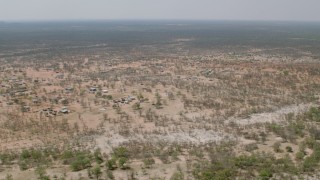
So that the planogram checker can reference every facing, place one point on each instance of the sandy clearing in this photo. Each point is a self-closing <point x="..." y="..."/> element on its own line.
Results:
<point x="197" y="136"/>
<point x="276" y="116"/>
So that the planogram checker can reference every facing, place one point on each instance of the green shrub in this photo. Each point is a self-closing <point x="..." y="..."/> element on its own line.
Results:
<point x="122" y="162"/>
<point x="314" y="114"/>
<point x="67" y="154"/>
<point x="110" y="175"/>
<point x="121" y="152"/>
<point x="23" y="165"/>
<point x="148" y="162"/>
<point x="265" y="174"/>
<point x="207" y="170"/>
<point x="315" y="133"/>
<point x="97" y="156"/>
<point x="111" y="164"/>
<point x="177" y="176"/>
<point x="80" y="162"/>
<point x="109" y="97"/>
<point x="289" y="149"/>
<point x="42" y="174"/>
<point x="245" y="161"/>
<point x="25" y="154"/>
<point x="285" y="164"/>
<point x="311" y="163"/>
<point x="310" y="142"/>
<point x="297" y="128"/>
<point x="32" y="158"/>
<point x="300" y="155"/>
<point x="7" y="158"/>
<point x="251" y="147"/>
<point x="96" y="171"/>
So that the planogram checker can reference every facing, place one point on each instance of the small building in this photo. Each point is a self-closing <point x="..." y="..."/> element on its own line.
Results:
<point x="36" y="100"/>
<point x="93" y="89"/>
<point x="68" y="89"/>
<point x="64" y="110"/>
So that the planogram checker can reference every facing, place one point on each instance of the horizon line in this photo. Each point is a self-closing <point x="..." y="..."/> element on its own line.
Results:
<point x="141" y="20"/>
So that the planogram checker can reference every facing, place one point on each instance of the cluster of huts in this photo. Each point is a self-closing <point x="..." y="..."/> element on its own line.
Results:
<point x="124" y="100"/>
<point x="51" y="112"/>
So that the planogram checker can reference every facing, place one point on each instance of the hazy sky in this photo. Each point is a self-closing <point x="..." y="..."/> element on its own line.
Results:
<point x="297" y="10"/>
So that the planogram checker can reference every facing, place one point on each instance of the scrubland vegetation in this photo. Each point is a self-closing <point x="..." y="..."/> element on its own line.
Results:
<point x="171" y="104"/>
